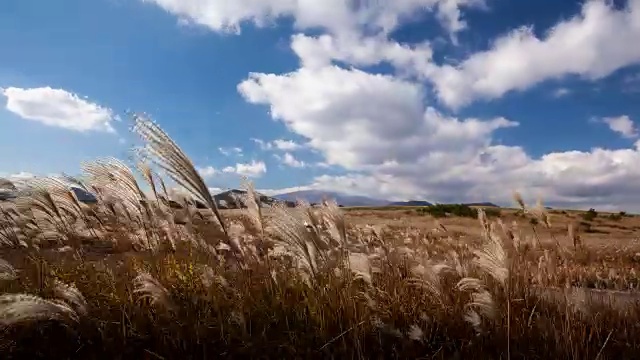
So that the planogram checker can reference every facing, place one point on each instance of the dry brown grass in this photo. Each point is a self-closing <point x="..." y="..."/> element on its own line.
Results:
<point x="123" y="279"/>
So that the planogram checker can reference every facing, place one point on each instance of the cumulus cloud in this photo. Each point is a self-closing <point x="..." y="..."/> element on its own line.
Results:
<point x="253" y="169"/>
<point x="602" y="178"/>
<point x="59" y="108"/>
<point x="359" y="120"/>
<point x="393" y="146"/>
<point x="207" y="171"/>
<point x="288" y="145"/>
<point x="391" y="141"/>
<point x="289" y="160"/>
<point x="278" y="144"/>
<point x="322" y="50"/>
<point x="335" y="16"/>
<point x="592" y="44"/>
<point x="622" y="125"/>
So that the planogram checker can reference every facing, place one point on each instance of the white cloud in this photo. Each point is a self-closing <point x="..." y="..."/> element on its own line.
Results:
<point x="320" y="51"/>
<point x="288" y="145"/>
<point x="278" y="144"/>
<point x="560" y="92"/>
<point x="17" y="178"/>
<point x="290" y="160"/>
<point x="592" y="45"/>
<point x="207" y="171"/>
<point x="60" y="108"/>
<point x="230" y="151"/>
<point x="22" y="175"/>
<point x="335" y="16"/>
<point x="378" y="128"/>
<point x="264" y="145"/>
<point x="601" y="178"/>
<point x="622" y="125"/>
<point x="272" y="192"/>
<point x="393" y="145"/>
<point x="359" y="120"/>
<point x="215" y="190"/>
<point x="252" y="169"/>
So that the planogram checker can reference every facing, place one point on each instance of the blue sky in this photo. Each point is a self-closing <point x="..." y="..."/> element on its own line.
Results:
<point x="449" y="100"/>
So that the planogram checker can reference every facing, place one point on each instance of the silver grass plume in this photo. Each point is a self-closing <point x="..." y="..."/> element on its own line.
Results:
<point x="7" y="184"/>
<point x="334" y="220"/>
<point x="49" y="202"/>
<point x="428" y="278"/>
<point x="150" y="288"/>
<point x="18" y="308"/>
<point x="7" y="271"/>
<point x="71" y="295"/>
<point x="291" y="234"/>
<point x="113" y="177"/>
<point x="251" y="200"/>
<point x="492" y="258"/>
<point x="165" y="153"/>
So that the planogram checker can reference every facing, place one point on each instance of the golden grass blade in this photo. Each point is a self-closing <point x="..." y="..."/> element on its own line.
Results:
<point x="168" y="156"/>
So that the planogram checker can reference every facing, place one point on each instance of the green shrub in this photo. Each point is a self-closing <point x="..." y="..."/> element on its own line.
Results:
<point x="615" y="217"/>
<point x="461" y="210"/>
<point x="492" y="212"/>
<point x="590" y="215"/>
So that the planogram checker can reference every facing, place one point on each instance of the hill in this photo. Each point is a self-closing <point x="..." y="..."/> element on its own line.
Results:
<point x="483" y="204"/>
<point x="410" y="203"/>
<point x="316" y="196"/>
<point x="231" y="199"/>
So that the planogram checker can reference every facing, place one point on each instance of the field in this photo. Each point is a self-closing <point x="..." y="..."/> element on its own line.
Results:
<point x="131" y="277"/>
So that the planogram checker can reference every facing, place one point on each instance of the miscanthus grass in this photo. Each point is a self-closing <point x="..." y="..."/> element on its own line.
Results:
<point x="167" y="274"/>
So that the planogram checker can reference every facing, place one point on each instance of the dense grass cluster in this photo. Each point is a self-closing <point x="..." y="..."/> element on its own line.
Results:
<point x="131" y="277"/>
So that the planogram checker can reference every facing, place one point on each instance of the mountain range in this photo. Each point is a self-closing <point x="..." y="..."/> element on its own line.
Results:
<point x="229" y="198"/>
<point x="316" y="196"/>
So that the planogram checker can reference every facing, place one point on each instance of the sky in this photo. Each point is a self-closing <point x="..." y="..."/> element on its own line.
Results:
<point x="443" y="100"/>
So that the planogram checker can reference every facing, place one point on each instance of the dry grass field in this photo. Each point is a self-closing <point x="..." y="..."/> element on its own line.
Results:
<point x="130" y="277"/>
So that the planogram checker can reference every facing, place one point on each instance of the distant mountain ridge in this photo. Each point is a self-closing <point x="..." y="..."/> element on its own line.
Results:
<point x="316" y="196"/>
<point x="483" y="204"/>
<point x="410" y="203"/>
<point x="233" y="199"/>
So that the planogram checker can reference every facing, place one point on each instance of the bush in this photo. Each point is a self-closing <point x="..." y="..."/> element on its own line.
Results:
<point x="616" y="217"/>
<point x="442" y="210"/>
<point x="492" y="212"/>
<point x="461" y="210"/>
<point x="590" y="215"/>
